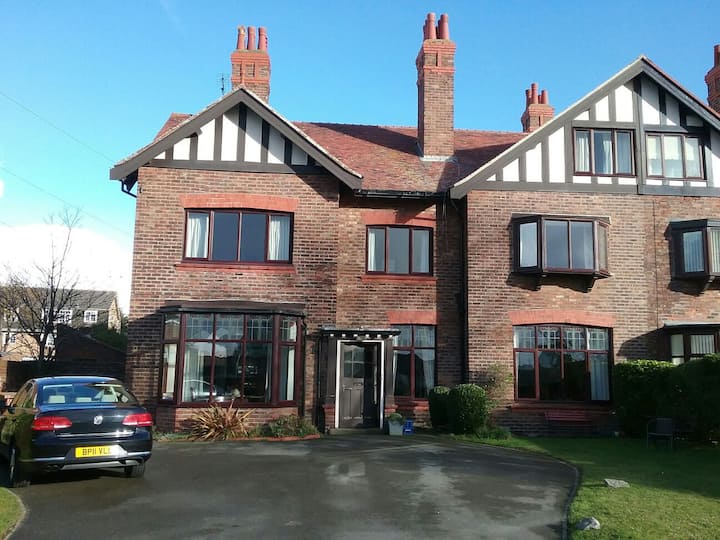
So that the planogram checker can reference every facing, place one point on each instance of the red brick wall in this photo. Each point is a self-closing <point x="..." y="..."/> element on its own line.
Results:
<point x="373" y="301"/>
<point x="158" y="275"/>
<point x="639" y="296"/>
<point x="170" y="419"/>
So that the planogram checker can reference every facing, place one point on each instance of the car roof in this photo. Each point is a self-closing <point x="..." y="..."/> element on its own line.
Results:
<point x="42" y="381"/>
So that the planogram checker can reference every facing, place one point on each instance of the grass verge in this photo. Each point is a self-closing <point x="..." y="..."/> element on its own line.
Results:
<point x="10" y="512"/>
<point x="672" y="494"/>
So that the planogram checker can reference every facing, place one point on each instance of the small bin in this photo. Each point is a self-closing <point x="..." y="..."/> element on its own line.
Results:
<point x="408" y="427"/>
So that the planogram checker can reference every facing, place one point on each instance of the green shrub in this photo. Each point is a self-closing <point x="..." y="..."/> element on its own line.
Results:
<point x="219" y="424"/>
<point x="493" y="432"/>
<point x="696" y="386"/>
<point x="438" y="403"/>
<point x="288" y="426"/>
<point x="467" y="408"/>
<point x="642" y="389"/>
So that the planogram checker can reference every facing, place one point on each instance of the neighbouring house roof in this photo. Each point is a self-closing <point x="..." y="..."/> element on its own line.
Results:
<point x="388" y="156"/>
<point x="641" y="66"/>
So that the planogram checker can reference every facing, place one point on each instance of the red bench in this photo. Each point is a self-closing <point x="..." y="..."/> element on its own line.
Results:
<point x="568" y="417"/>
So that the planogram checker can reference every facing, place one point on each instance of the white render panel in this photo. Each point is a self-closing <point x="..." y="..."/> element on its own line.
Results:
<point x="693" y="120"/>
<point x="556" y="153"/>
<point x="604" y="180"/>
<point x="533" y="164"/>
<point x="228" y="146"/>
<point x="581" y="180"/>
<point x="715" y="158"/>
<point x="624" y="111"/>
<point x="161" y="155"/>
<point x="491" y="179"/>
<point x="299" y="157"/>
<point x="583" y="116"/>
<point x="181" y="150"/>
<point x="206" y="141"/>
<point x="602" y="110"/>
<point x="276" y="146"/>
<point x="697" y="183"/>
<point x="653" y="182"/>
<point x="627" y="181"/>
<point x="511" y="172"/>
<point x="253" y="137"/>
<point x="672" y="111"/>
<point x="676" y="183"/>
<point x="650" y="103"/>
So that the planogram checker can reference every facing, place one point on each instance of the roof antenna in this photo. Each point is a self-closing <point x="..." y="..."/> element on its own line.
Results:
<point x="222" y="81"/>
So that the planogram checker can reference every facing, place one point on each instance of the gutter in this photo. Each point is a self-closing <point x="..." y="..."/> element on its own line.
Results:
<point x="392" y="194"/>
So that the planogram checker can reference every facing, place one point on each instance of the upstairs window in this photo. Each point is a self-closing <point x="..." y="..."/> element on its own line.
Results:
<point x="90" y="316"/>
<point x="399" y="250"/>
<point x="696" y="248"/>
<point x="674" y="156"/>
<point x="232" y="236"/>
<point x="604" y="152"/>
<point x="547" y="244"/>
<point x="64" y="316"/>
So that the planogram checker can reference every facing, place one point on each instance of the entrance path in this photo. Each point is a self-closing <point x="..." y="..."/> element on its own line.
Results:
<point x="347" y="486"/>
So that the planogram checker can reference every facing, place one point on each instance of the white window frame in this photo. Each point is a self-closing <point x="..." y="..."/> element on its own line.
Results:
<point x="64" y="316"/>
<point x="90" y="316"/>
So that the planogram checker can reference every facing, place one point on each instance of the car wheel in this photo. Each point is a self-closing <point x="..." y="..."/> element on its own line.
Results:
<point x="135" y="471"/>
<point x="17" y="476"/>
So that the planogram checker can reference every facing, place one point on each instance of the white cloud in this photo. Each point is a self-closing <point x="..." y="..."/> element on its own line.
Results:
<point x="99" y="262"/>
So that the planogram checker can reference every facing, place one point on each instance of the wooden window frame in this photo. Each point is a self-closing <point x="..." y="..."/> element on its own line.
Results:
<point x="412" y="230"/>
<point x="591" y="148"/>
<point x="677" y="231"/>
<point x="683" y="137"/>
<point x="411" y="349"/>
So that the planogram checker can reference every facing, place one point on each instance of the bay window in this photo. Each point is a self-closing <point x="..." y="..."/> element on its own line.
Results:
<point x="399" y="250"/>
<point x="696" y="248"/>
<point x="562" y="363"/>
<point x="548" y="244"/>
<point x="234" y="235"/>
<point x="216" y="357"/>
<point x="692" y="343"/>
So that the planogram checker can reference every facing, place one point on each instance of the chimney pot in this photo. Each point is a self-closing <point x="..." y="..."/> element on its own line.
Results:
<point x="251" y="62"/>
<point x="537" y="109"/>
<point x="251" y="38"/>
<point x="430" y="28"/>
<point x="241" y="38"/>
<point x="444" y="27"/>
<point x="262" y="39"/>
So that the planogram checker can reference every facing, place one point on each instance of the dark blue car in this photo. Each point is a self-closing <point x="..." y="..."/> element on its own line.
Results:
<point x="62" y="423"/>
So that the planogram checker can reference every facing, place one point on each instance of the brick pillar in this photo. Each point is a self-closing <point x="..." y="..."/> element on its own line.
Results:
<point x="251" y="62"/>
<point x="537" y="109"/>
<point x="436" y="90"/>
<point x="713" y="82"/>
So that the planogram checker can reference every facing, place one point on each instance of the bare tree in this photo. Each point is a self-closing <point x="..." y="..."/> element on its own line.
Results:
<point x="32" y="299"/>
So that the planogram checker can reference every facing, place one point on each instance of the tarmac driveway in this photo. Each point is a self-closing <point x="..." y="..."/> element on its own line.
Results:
<point x="356" y="486"/>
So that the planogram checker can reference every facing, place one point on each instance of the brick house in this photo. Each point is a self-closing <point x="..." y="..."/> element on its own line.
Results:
<point x="341" y="271"/>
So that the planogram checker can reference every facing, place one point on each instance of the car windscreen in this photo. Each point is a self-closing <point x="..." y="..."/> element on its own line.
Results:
<point x="85" y="392"/>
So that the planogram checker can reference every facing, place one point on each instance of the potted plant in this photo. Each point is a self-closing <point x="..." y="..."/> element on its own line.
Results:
<point x="395" y="422"/>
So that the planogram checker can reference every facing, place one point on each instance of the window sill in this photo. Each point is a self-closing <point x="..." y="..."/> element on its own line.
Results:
<point x="263" y="268"/>
<point x="398" y="278"/>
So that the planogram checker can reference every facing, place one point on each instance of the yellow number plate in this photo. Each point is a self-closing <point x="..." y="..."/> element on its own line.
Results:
<point x="94" y="451"/>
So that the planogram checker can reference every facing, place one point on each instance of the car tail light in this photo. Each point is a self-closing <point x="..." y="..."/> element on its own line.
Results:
<point x="50" y="423"/>
<point x="140" y="419"/>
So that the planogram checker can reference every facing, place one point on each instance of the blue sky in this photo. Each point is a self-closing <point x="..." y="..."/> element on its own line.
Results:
<point x="85" y="83"/>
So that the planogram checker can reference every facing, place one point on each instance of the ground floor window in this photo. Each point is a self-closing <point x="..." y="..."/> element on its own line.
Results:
<point x="562" y="363"/>
<point x="692" y="344"/>
<point x="414" y="360"/>
<point x="216" y="357"/>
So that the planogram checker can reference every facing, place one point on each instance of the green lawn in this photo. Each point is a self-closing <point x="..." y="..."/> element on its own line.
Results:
<point x="671" y="495"/>
<point x="10" y="511"/>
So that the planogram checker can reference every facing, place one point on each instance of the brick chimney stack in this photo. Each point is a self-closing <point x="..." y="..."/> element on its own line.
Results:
<point x="537" y="109"/>
<point x="713" y="82"/>
<point x="251" y="62"/>
<point x="436" y="90"/>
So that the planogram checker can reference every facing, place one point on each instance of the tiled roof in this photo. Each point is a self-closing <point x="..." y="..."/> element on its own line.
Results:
<point x="387" y="157"/>
<point x="171" y="123"/>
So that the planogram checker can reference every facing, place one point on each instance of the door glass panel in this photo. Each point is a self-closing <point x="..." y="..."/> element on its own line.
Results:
<point x="550" y="375"/>
<point x="525" y="366"/>
<point x="556" y="242"/>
